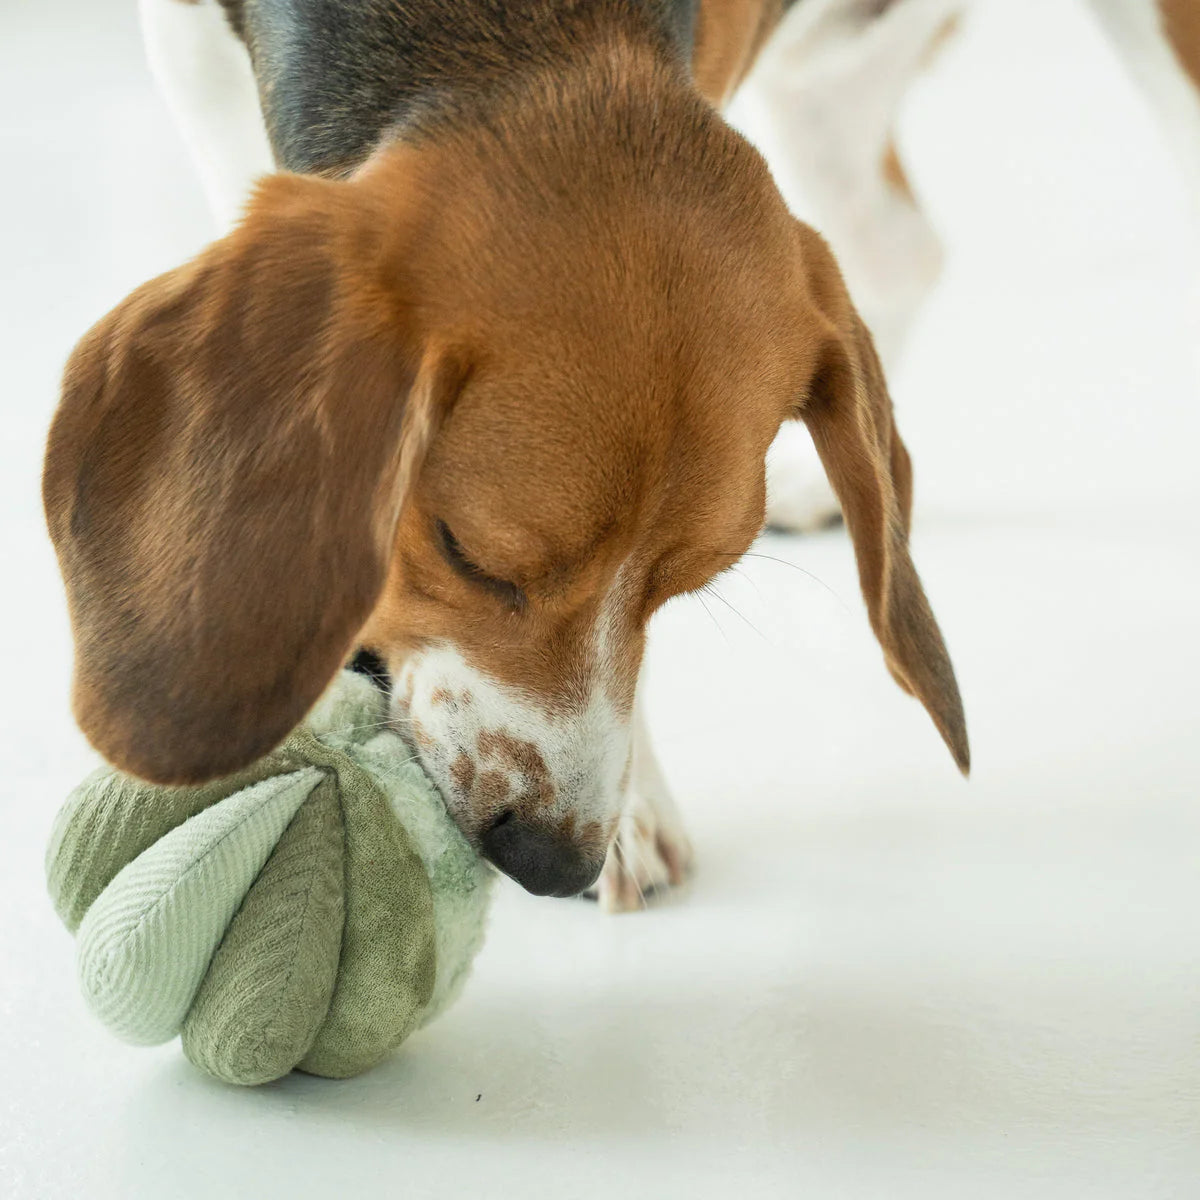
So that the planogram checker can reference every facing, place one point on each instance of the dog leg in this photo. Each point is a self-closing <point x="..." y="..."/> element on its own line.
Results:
<point x="1160" y="45"/>
<point x="822" y="104"/>
<point x="800" y="498"/>
<point x="651" y="850"/>
<point x="203" y="71"/>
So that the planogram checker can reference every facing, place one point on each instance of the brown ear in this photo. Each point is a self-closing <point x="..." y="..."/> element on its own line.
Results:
<point x="849" y="413"/>
<point x="223" y="480"/>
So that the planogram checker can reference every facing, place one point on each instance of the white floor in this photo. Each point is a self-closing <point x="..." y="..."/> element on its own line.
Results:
<point x="883" y="982"/>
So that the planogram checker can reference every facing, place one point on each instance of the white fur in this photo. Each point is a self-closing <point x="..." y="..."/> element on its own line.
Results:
<point x="1136" y="29"/>
<point x="799" y="496"/>
<point x="585" y="751"/>
<point x="822" y="103"/>
<point x="204" y="74"/>
<point x="651" y="850"/>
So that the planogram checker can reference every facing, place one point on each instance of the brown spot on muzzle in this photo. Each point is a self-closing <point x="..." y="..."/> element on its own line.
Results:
<point x="525" y="759"/>
<point x="462" y="771"/>
<point x="491" y="790"/>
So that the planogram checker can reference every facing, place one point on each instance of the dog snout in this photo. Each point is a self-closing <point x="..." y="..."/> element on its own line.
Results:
<point x="541" y="861"/>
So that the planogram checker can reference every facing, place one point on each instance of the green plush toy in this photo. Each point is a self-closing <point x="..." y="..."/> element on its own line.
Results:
<point x="309" y="912"/>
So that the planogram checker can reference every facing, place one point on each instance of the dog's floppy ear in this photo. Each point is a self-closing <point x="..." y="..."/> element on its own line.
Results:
<point x="224" y="476"/>
<point x="849" y="413"/>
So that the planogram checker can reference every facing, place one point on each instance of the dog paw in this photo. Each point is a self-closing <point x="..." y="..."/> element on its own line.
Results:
<point x="650" y="853"/>
<point x="799" y="498"/>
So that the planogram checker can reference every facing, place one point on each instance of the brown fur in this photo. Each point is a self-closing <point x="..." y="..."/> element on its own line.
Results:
<point x="849" y="415"/>
<point x="549" y="334"/>
<point x="1181" y="22"/>
<point x="187" y="485"/>
<point x="729" y="35"/>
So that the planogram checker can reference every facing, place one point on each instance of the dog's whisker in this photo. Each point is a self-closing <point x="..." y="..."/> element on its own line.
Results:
<point x="648" y="872"/>
<point x="740" y="615"/>
<point x="737" y="570"/>
<point x="385" y="724"/>
<point x="634" y="851"/>
<point x="712" y="618"/>
<point x="797" y="567"/>
<point x="398" y="723"/>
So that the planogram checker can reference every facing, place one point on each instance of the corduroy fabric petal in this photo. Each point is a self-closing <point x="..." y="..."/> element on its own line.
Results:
<point x="111" y="818"/>
<point x="148" y="939"/>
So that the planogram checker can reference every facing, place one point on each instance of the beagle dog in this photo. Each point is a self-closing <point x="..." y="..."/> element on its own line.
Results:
<point x="482" y="376"/>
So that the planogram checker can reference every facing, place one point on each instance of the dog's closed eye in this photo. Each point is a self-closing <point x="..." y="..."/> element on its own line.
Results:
<point x="504" y="590"/>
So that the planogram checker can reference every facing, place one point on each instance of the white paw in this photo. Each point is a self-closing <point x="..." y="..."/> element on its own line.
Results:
<point x="799" y="498"/>
<point x="651" y="852"/>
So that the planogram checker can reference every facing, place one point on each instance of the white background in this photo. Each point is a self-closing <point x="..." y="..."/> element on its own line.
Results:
<point x="883" y="982"/>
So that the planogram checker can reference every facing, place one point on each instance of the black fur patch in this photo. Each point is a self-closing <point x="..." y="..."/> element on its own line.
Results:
<point x="335" y="75"/>
<point x="368" y="663"/>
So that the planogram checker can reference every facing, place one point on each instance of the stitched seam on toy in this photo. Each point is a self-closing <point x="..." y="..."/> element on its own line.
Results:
<point x="106" y="966"/>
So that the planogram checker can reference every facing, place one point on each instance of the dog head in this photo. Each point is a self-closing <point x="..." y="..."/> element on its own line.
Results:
<point x="483" y="407"/>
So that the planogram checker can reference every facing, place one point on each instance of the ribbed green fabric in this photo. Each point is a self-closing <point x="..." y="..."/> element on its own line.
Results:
<point x="111" y="818"/>
<point x="146" y="943"/>
<point x="268" y="988"/>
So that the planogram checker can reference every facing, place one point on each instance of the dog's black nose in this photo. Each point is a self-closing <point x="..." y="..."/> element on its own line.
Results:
<point x="541" y="862"/>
